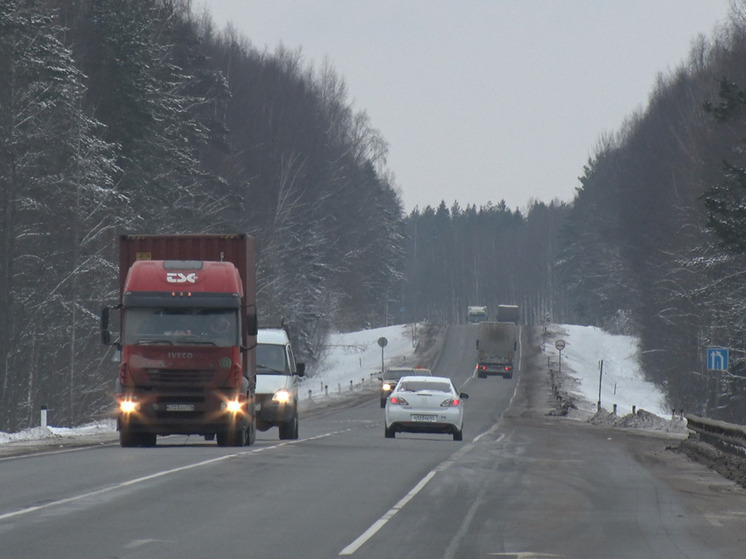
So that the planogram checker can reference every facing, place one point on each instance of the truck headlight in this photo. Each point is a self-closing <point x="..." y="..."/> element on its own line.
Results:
<point x="128" y="406"/>
<point x="233" y="406"/>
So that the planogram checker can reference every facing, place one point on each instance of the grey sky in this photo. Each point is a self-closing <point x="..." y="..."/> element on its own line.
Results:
<point x="484" y="100"/>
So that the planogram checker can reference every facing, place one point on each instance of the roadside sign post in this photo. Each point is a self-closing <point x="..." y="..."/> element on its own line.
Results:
<point x="560" y="345"/>
<point x="600" y="378"/>
<point x="382" y="342"/>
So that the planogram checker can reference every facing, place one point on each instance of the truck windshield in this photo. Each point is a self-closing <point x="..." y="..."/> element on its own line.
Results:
<point x="180" y="326"/>
<point x="270" y="359"/>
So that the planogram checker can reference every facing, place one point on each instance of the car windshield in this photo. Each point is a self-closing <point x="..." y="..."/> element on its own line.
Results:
<point x="396" y="374"/>
<point x="420" y="386"/>
<point x="393" y="374"/>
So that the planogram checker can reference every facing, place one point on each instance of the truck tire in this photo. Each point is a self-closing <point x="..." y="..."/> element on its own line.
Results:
<point x="233" y="436"/>
<point x="251" y="433"/>
<point x="127" y="438"/>
<point x="289" y="429"/>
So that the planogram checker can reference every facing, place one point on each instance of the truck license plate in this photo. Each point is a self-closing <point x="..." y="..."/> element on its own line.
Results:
<point x="425" y="418"/>
<point x="179" y="407"/>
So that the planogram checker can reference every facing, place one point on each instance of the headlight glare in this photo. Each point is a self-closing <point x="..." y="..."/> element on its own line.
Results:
<point x="281" y="396"/>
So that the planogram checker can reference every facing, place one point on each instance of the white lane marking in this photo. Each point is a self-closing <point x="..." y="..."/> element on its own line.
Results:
<point x="136" y="481"/>
<point x="381" y="522"/>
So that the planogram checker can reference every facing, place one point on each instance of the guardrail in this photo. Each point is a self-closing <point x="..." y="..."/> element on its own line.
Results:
<point x="726" y="436"/>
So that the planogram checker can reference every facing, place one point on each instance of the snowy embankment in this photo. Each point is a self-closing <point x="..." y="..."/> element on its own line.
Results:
<point x="352" y="362"/>
<point x="596" y="366"/>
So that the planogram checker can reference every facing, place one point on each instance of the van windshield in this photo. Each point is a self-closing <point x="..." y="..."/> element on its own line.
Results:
<point x="270" y="359"/>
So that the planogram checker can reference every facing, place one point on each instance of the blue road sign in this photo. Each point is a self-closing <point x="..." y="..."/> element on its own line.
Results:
<point x="717" y="359"/>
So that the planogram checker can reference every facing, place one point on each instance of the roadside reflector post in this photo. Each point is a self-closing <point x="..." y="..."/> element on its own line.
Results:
<point x="44" y="418"/>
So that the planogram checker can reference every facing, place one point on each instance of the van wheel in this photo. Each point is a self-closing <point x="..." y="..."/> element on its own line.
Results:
<point x="289" y="429"/>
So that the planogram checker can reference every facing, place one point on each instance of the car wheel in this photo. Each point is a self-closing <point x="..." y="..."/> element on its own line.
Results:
<point x="458" y="436"/>
<point x="389" y="433"/>
<point x="289" y="429"/>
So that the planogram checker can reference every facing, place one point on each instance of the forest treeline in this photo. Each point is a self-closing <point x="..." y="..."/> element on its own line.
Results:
<point x="142" y="117"/>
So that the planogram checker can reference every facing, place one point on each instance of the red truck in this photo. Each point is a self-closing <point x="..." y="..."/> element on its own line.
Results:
<point x="187" y="338"/>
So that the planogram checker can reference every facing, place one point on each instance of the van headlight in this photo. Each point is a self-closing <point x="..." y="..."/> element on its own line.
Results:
<point x="281" y="396"/>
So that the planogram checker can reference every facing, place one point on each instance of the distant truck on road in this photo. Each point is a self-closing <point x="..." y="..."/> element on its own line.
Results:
<point x="187" y="328"/>
<point x="496" y="347"/>
<point x="508" y="313"/>
<point x="476" y="314"/>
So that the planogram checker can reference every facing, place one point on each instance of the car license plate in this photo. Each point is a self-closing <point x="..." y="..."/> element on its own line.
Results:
<point x="179" y="407"/>
<point x="424" y="418"/>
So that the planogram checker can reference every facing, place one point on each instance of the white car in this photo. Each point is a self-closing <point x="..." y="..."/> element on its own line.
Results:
<point x="425" y="405"/>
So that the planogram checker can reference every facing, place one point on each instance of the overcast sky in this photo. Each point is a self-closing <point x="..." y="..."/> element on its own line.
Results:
<point x="486" y="100"/>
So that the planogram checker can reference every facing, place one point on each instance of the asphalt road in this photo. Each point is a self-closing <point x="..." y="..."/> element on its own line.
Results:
<point x="521" y="484"/>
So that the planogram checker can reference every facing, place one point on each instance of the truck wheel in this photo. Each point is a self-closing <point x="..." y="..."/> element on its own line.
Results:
<point x="251" y="433"/>
<point x="148" y="439"/>
<point x="127" y="438"/>
<point x="233" y="436"/>
<point x="289" y="429"/>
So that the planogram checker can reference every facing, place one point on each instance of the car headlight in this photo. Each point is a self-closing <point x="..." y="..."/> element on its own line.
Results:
<point x="387" y="386"/>
<point x="281" y="396"/>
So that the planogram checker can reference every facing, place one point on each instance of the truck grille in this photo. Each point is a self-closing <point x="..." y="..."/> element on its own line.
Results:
<point x="176" y="376"/>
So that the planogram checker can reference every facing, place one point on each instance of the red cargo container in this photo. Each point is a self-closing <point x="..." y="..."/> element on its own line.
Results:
<point x="187" y="338"/>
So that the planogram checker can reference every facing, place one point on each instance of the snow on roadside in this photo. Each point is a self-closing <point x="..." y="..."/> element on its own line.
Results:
<point x="352" y="361"/>
<point x="622" y="380"/>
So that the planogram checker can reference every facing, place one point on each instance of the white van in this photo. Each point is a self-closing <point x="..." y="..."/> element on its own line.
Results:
<point x="277" y="374"/>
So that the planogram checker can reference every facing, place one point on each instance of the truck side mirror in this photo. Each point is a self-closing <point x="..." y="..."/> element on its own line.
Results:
<point x="300" y="369"/>
<point x="105" y="334"/>
<point x="252" y="325"/>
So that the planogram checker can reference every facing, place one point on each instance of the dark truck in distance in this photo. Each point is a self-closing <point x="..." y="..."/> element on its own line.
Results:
<point x="476" y="314"/>
<point x="496" y="347"/>
<point x="508" y="313"/>
<point x="187" y="338"/>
